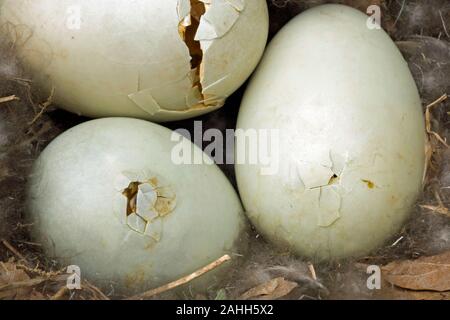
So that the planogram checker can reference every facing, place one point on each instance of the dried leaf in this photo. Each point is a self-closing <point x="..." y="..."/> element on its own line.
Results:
<point x="427" y="273"/>
<point x="274" y="289"/>
<point x="427" y="295"/>
<point x="388" y="291"/>
<point x="10" y="274"/>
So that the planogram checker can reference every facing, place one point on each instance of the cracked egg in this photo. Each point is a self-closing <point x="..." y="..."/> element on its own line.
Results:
<point x="352" y="138"/>
<point x="106" y="196"/>
<point x="156" y="60"/>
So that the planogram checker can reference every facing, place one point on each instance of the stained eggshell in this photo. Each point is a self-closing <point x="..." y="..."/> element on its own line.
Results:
<point x="158" y="60"/>
<point x="351" y="147"/>
<point x="107" y="197"/>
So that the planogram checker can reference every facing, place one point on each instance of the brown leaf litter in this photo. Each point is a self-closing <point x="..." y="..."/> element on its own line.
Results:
<point x="424" y="274"/>
<point x="271" y="290"/>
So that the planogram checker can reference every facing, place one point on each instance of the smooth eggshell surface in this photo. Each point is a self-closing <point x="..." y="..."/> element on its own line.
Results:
<point x="352" y="139"/>
<point x="130" y="58"/>
<point x="187" y="215"/>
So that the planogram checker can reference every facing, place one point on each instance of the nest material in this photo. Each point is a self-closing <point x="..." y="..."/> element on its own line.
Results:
<point x="421" y="29"/>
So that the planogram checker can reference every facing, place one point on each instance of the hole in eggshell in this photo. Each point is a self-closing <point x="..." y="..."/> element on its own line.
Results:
<point x="146" y="202"/>
<point x="335" y="179"/>
<point x="187" y="33"/>
<point x="131" y="194"/>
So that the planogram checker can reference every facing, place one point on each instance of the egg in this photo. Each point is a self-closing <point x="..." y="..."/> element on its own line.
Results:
<point x="108" y="197"/>
<point x="156" y="60"/>
<point x="350" y="155"/>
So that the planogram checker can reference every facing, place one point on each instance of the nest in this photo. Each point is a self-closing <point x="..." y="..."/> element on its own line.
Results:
<point x="28" y="122"/>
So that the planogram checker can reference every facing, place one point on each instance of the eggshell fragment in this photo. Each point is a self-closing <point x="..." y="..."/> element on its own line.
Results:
<point x="106" y="196"/>
<point x="351" y="157"/>
<point x="158" y="60"/>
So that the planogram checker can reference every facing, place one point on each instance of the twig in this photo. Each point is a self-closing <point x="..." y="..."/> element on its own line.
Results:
<point x="437" y="209"/>
<point x="31" y="243"/>
<point x="438" y="198"/>
<point x="182" y="281"/>
<point x="23" y="80"/>
<point x="428" y="158"/>
<point x="397" y="241"/>
<point x="31" y="283"/>
<point x="44" y="107"/>
<point x="428" y="119"/>
<point x="96" y="290"/>
<point x="443" y="23"/>
<point x="40" y="272"/>
<point x="11" y="248"/>
<point x="313" y="271"/>
<point x="8" y="99"/>
<point x="400" y="12"/>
